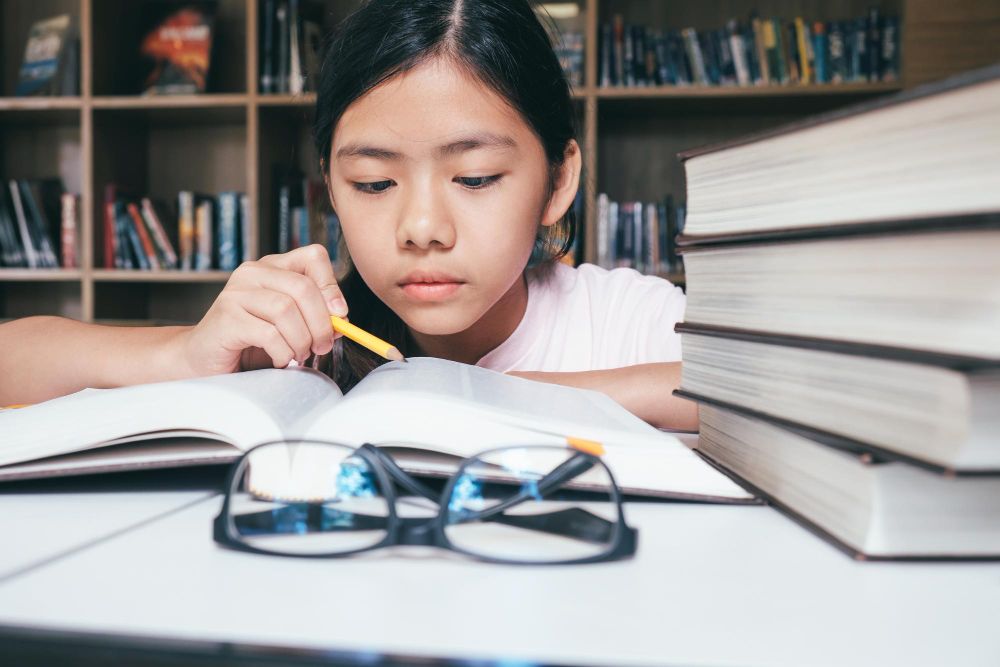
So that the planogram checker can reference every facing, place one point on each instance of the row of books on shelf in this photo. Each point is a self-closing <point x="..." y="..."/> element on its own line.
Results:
<point x="290" y="45"/>
<point x="760" y="51"/>
<point x="304" y="214"/>
<point x="639" y="235"/>
<point x="837" y="375"/>
<point x="210" y="232"/>
<point x="38" y="224"/>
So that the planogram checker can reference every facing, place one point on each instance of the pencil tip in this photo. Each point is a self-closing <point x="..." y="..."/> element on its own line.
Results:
<point x="394" y="355"/>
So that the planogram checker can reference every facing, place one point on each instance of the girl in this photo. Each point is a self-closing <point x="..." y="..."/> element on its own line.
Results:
<point x="445" y="135"/>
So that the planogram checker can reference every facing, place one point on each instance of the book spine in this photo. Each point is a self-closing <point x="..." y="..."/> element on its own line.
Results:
<point x="245" y="225"/>
<point x="890" y="49"/>
<point x="131" y="233"/>
<point x="38" y="227"/>
<point x="790" y="51"/>
<point x="155" y="225"/>
<point x="858" y="51"/>
<point x="738" y="48"/>
<point x="110" y="236"/>
<point x="821" y="74"/>
<point x="774" y="69"/>
<point x="804" y="42"/>
<point x="602" y="229"/>
<point x="22" y="225"/>
<point x="678" y="56"/>
<point x="695" y="57"/>
<point x="284" y="219"/>
<point x="619" y="49"/>
<point x="68" y="230"/>
<point x="145" y="242"/>
<point x="281" y="22"/>
<point x="613" y="241"/>
<point x="228" y="214"/>
<point x="296" y="82"/>
<point x="760" y="43"/>
<point x="267" y="70"/>
<point x="203" y="235"/>
<point x="837" y="51"/>
<point x="13" y="255"/>
<point x="874" y="45"/>
<point x="186" y="228"/>
<point x="607" y="48"/>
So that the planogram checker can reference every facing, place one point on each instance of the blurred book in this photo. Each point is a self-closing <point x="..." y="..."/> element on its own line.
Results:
<point x="179" y="49"/>
<point x="51" y="64"/>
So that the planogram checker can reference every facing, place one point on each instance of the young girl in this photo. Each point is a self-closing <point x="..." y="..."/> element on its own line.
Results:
<point x="445" y="130"/>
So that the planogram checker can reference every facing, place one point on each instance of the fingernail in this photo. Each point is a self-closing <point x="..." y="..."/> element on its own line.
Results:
<point x="337" y="306"/>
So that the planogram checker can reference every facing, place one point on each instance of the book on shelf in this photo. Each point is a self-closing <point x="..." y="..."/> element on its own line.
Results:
<point x="206" y="232"/>
<point x="440" y="411"/>
<point x="755" y="51"/>
<point x="304" y="213"/>
<point x="179" y="50"/>
<point x="841" y="325"/>
<point x="639" y="235"/>
<point x="34" y="221"/>
<point x="51" y="63"/>
<point x="291" y="38"/>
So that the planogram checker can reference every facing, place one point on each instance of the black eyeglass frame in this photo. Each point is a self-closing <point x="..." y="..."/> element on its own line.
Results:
<point x="428" y="531"/>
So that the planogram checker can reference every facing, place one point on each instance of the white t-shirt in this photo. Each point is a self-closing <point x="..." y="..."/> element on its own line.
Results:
<point x="589" y="318"/>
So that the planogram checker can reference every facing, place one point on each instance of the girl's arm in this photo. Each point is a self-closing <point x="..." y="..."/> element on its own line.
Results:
<point x="270" y="312"/>
<point x="645" y="390"/>
<point x="45" y="357"/>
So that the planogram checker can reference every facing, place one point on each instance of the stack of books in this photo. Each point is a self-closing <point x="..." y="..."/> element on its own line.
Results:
<point x="842" y="334"/>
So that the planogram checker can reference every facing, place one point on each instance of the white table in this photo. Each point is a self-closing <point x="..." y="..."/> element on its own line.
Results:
<point x="712" y="585"/>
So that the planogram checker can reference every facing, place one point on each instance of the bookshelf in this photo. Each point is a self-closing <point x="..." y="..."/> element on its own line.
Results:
<point x="231" y="138"/>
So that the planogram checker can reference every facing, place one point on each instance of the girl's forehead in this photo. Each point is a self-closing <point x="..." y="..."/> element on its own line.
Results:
<point x="431" y="103"/>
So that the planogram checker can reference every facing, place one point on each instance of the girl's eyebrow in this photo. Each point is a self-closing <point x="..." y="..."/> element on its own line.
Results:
<point x="469" y="143"/>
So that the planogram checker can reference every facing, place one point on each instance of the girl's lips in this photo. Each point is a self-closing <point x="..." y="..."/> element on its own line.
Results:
<point x="437" y="291"/>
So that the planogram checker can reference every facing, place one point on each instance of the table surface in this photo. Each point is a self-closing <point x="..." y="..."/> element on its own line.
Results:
<point x="711" y="585"/>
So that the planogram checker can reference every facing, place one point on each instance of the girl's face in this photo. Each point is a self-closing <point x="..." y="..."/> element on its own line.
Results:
<point x="441" y="188"/>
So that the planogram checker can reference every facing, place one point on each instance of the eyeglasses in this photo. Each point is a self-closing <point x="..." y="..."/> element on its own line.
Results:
<point x="528" y="504"/>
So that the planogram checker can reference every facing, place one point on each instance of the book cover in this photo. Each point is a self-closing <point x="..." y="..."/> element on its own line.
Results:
<point x="46" y="49"/>
<point x="180" y="49"/>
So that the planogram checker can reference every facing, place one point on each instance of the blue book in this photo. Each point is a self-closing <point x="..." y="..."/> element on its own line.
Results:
<point x="226" y="230"/>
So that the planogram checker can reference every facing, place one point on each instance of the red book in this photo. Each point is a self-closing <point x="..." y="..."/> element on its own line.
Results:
<point x="110" y="237"/>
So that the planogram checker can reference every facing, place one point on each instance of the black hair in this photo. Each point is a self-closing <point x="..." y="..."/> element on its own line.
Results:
<point x="501" y="43"/>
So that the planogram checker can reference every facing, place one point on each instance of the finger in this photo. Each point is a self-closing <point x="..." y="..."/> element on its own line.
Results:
<point x="308" y="298"/>
<point x="313" y="261"/>
<point x="282" y="311"/>
<point x="259" y="333"/>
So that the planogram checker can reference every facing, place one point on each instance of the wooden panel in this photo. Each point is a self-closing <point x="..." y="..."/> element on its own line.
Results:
<point x="638" y="154"/>
<point x="944" y="38"/>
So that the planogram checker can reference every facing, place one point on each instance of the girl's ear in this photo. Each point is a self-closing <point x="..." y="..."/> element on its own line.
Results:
<point x="565" y="185"/>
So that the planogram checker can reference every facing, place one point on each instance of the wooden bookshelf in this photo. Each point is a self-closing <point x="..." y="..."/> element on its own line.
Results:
<point x="231" y="137"/>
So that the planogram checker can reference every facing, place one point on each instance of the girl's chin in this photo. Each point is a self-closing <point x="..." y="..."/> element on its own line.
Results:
<point x="438" y="322"/>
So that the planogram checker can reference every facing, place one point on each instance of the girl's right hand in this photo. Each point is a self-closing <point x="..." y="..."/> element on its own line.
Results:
<point x="271" y="311"/>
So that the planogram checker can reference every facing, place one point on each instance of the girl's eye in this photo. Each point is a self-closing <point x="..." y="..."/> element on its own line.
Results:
<point x="477" y="182"/>
<point x="373" y="187"/>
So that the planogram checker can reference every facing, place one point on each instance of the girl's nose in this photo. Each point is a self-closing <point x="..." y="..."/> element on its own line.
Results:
<point x="425" y="222"/>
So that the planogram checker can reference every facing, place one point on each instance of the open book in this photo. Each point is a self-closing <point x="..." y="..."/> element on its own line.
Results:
<point x="432" y="412"/>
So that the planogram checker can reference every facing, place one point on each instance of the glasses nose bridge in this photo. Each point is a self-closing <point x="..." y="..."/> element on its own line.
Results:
<point x="417" y="532"/>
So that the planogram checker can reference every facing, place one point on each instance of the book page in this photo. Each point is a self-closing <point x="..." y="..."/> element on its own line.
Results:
<point x="462" y="410"/>
<point x="242" y="409"/>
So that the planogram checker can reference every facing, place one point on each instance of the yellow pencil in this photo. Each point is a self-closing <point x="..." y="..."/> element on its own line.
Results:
<point x="365" y="339"/>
